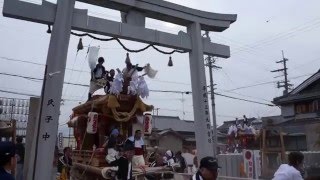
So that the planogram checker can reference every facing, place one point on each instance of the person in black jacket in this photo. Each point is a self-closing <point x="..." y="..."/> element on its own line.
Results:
<point x="97" y="73"/>
<point x="20" y="150"/>
<point x="109" y="78"/>
<point x="208" y="169"/>
<point x="65" y="161"/>
<point x="7" y="160"/>
<point x="124" y="163"/>
<point x="181" y="161"/>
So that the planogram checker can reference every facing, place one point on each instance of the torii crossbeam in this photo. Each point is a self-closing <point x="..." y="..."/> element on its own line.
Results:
<point x="64" y="17"/>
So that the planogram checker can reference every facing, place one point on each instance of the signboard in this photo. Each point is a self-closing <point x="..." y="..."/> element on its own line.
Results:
<point x="257" y="164"/>
<point x="60" y="140"/>
<point x="248" y="162"/>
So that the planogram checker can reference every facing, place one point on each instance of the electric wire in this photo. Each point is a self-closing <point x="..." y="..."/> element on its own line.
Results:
<point x="158" y="91"/>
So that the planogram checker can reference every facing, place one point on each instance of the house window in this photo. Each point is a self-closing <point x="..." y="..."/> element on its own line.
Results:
<point x="295" y="143"/>
<point x="307" y="107"/>
<point x="154" y="142"/>
<point x="315" y="105"/>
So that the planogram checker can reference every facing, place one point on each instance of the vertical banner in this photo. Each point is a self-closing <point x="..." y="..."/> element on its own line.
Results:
<point x="93" y="56"/>
<point x="147" y="124"/>
<point x="257" y="164"/>
<point x="60" y="140"/>
<point x="248" y="162"/>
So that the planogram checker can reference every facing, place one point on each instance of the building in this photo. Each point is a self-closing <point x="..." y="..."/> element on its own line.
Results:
<point x="15" y="109"/>
<point x="69" y="142"/>
<point x="300" y="115"/>
<point x="170" y="132"/>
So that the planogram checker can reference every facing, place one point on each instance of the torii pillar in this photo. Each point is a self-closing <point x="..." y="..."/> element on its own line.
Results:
<point x="65" y="17"/>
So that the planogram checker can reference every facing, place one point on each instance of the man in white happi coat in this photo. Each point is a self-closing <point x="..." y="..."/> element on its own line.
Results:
<point x="138" y="158"/>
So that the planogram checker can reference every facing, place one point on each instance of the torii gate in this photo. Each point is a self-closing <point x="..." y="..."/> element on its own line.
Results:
<point x="64" y="17"/>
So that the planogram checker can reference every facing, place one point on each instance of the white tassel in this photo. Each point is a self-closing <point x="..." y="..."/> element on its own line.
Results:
<point x="151" y="73"/>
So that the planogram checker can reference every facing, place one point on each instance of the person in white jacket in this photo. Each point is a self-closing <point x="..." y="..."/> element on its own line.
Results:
<point x="290" y="171"/>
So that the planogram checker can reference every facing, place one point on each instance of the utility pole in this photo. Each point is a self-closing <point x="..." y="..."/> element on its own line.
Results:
<point x="210" y="63"/>
<point x="284" y="83"/>
<point x="156" y="110"/>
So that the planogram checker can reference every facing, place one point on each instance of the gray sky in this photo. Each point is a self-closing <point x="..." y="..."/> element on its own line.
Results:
<point x="262" y="30"/>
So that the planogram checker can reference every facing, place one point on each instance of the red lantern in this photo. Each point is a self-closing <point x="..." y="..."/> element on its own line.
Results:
<point x="92" y="125"/>
<point x="147" y="124"/>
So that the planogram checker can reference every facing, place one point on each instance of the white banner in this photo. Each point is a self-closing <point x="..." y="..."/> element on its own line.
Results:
<point x="93" y="56"/>
<point x="60" y="141"/>
<point x="248" y="162"/>
<point x="257" y="164"/>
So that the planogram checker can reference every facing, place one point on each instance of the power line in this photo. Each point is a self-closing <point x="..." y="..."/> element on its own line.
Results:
<point x="81" y="70"/>
<point x="272" y="38"/>
<point x="159" y="91"/>
<point x="306" y="63"/>
<point x="36" y="95"/>
<point x="156" y="80"/>
<point x="34" y="63"/>
<point x="243" y="99"/>
<point x="162" y="91"/>
<point x="177" y="110"/>
<point x="20" y="76"/>
<point x="17" y="93"/>
<point x="263" y="83"/>
<point x="74" y="62"/>
<point x="246" y="96"/>
<point x="282" y="34"/>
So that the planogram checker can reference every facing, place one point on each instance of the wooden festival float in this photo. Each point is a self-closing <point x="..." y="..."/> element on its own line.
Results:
<point x="93" y="121"/>
<point x="244" y="137"/>
<point x="105" y="112"/>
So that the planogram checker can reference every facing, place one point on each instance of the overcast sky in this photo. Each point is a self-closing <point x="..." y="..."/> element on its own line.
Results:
<point x="262" y="30"/>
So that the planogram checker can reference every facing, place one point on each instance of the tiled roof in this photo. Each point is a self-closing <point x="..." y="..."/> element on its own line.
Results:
<point x="295" y="93"/>
<point x="166" y="123"/>
<point x="172" y="122"/>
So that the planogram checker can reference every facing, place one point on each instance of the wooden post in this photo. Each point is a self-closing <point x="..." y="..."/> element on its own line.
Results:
<point x="283" y="153"/>
<point x="14" y="135"/>
<point x="264" y="161"/>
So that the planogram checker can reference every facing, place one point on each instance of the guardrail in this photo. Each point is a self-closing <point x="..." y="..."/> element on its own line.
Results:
<point x="185" y="176"/>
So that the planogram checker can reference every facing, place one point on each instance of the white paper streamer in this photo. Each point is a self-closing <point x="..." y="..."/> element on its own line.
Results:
<point x="133" y="86"/>
<point x="117" y="84"/>
<point x="93" y="56"/>
<point x="143" y="89"/>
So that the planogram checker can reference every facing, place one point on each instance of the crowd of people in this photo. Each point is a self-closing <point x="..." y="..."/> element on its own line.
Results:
<point x="12" y="159"/>
<point x="131" y="154"/>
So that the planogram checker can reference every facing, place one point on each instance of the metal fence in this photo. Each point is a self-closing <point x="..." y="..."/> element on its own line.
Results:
<point x="230" y="164"/>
